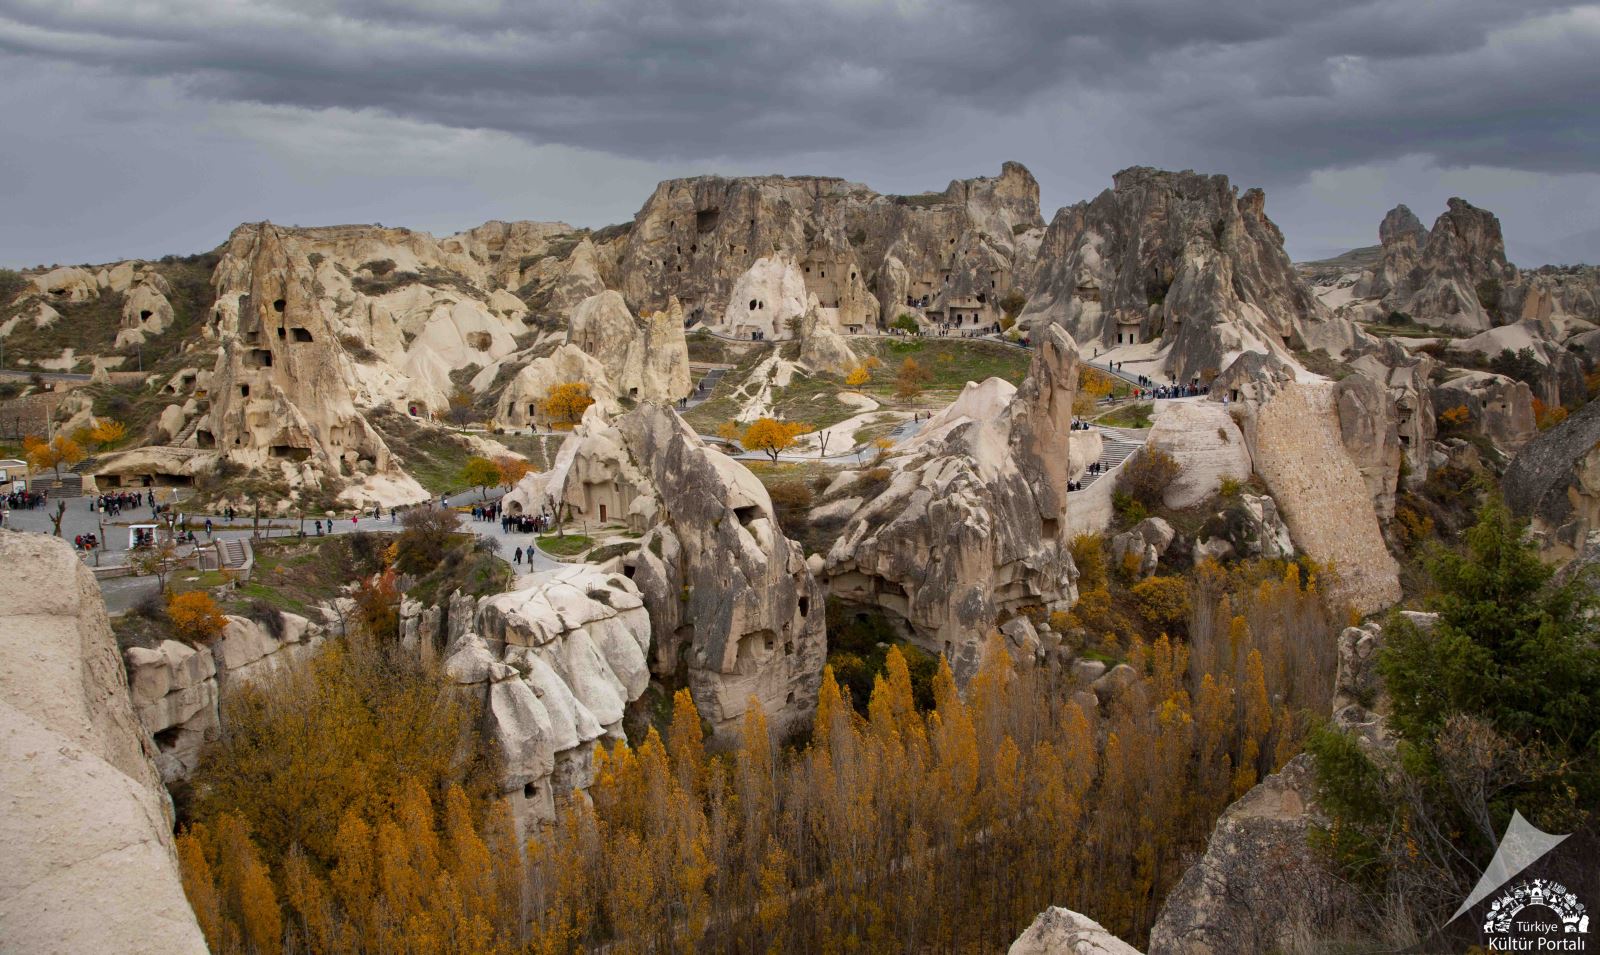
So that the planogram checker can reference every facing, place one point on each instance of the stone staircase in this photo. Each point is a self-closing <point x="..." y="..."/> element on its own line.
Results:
<point x="67" y="485"/>
<point x="235" y="552"/>
<point x="188" y="430"/>
<point x="706" y="386"/>
<point x="1117" y="446"/>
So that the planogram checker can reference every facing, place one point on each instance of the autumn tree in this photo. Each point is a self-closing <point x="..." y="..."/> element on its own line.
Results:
<point x="565" y="403"/>
<point x="195" y="616"/>
<point x="481" y="473"/>
<point x="512" y="470"/>
<point x="155" y="561"/>
<point x="730" y="431"/>
<point x="107" y="431"/>
<point x="772" y="436"/>
<point x="910" y="379"/>
<point x="52" y="454"/>
<point x="858" y="376"/>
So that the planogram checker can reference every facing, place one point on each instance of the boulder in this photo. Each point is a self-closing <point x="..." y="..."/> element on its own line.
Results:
<point x="1139" y="548"/>
<point x="87" y="826"/>
<point x="1059" y="931"/>
<point x="1203" y="438"/>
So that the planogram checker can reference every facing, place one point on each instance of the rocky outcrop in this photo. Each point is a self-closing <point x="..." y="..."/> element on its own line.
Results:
<point x="1059" y="931"/>
<point x="645" y="359"/>
<point x="1497" y="407"/>
<point x="1181" y="258"/>
<point x="1203" y="438"/>
<point x="966" y="523"/>
<point x="1139" y="549"/>
<point x="553" y="663"/>
<point x="735" y="613"/>
<point x="177" y="689"/>
<point x="866" y="257"/>
<point x="822" y="348"/>
<point x="86" y="825"/>
<point x="1554" y="481"/>
<point x="522" y="402"/>
<point x="734" y="609"/>
<point x="1458" y="276"/>
<point x="1248" y="526"/>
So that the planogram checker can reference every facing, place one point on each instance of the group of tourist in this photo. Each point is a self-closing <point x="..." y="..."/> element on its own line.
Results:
<point x="112" y="504"/>
<point x="524" y="523"/>
<point x="486" y="512"/>
<point x="23" y="500"/>
<point x="85" y="542"/>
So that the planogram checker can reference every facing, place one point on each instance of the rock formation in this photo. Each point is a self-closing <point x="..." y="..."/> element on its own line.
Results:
<point x="86" y="825"/>
<point x="866" y="257"/>
<point x="1059" y="931"/>
<point x="733" y="606"/>
<point x="1446" y="280"/>
<point x="1554" y="481"/>
<point x="1203" y="438"/>
<point x="522" y="402"/>
<point x="553" y="663"/>
<point x="1180" y="258"/>
<point x="645" y="360"/>
<point x="735" y="613"/>
<point x="177" y="688"/>
<point x="1296" y="431"/>
<point x="966" y="524"/>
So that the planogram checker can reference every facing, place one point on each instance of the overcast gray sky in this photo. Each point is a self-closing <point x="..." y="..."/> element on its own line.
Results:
<point x="142" y="128"/>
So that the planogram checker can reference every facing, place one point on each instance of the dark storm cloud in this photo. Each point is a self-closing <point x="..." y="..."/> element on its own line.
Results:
<point x="1267" y="89"/>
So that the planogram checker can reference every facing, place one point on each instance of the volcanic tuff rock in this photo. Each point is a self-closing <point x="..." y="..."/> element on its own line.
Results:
<point x="865" y="256"/>
<point x="1296" y="433"/>
<point x="645" y="359"/>
<point x="969" y="524"/>
<point x="733" y="605"/>
<point x="1445" y="281"/>
<point x="1555" y="482"/>
<point x="1182" y="258"/>
<point x="1499" y="408"/>
<point x="553" y="663"/>
<point x="1203" y="438"/>
<point x="86" y="824"/>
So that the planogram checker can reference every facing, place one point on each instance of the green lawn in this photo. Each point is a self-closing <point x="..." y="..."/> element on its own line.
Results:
<point x="569" y="546"/>
<point x="1136" y="415"/>
<point x="951" y="362"/>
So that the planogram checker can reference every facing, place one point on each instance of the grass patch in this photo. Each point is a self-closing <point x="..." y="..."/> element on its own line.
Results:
<point x="951" y="363"/>
<point x="1137" y="416"/>
<point x="434" y="456"/>
<point x="569" y="546"/>
<point x="814" y="400"/>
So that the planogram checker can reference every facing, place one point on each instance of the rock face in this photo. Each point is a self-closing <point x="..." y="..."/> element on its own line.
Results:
<point x="1140" y="547"/>
<point x="1296" y="433"/>
<point x="177" y="689"/>
<point x="1178" y="257"/>
<point x="87" y="827"/>
<point x="522" y="402"/>
<point x="718" y="245"/>
<point x="1059" y="931"/>
<point x="1555" y="482"/>
<point x="1248" y="526"/>
<point x="968" y="525"/>
<point x="1499" y="408"/>
<point x="553" y="663"/>
<point x="282" y="389"/>
<point x="735" y="613"/>
<point x="1203" y="438"/>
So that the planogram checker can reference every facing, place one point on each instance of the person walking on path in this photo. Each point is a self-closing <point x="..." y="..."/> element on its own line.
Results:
<point x="208" y="527"/>
<point x="517" y="558"/>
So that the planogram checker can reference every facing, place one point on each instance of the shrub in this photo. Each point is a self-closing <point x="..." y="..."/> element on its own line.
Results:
<point x="195" y="616"/>
<point x="1148" y="476"/>
<point x="1454" y="417"/>
<point x="421" y="545"/>
<point x="907" y="323"/>
<point x="1163" y="601"/>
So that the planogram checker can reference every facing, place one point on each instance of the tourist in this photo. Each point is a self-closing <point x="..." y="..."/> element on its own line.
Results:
<point x="517" y="557"/>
